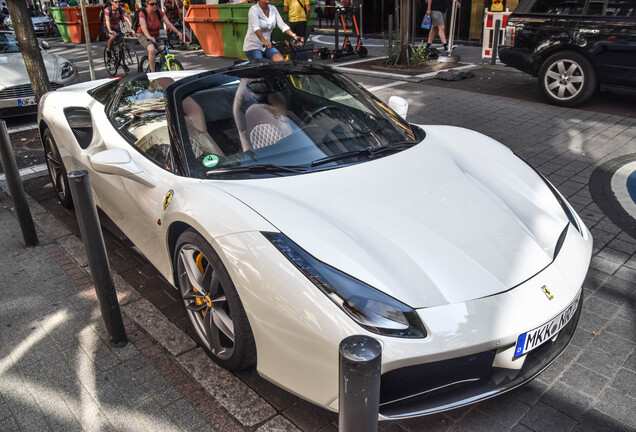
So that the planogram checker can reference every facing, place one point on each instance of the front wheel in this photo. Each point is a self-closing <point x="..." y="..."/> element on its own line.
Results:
<point x="131" y="59"/>
<point x="212" y="303"/>
<point x="143" y="64"/>
<point x="567" y="79"/>
<point x="111" y="62"/>
<point x="175" y="65"/>
<point x="57" y="172"/>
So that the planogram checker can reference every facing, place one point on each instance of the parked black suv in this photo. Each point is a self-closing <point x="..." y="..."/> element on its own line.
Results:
<point x="574" y="46"/>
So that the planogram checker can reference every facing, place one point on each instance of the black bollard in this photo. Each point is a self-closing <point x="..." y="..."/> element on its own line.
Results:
<point x="93" y="240"/>
<point x="495" y="42"/>
<point x="12" y="175"/>
<point x="359" y="392"/>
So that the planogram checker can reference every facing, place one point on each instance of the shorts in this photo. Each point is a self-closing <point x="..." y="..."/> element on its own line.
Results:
<point x="299" y="27"/>
<point x="145" y="42"/>
<point x="119" y="37"/>
<point x="437" y="19"/>
<point x="256" y="54"/>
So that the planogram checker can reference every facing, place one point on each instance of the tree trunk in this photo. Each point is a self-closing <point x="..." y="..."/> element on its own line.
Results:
<point x="405" y="22"/>
<point x="29" y="47"/>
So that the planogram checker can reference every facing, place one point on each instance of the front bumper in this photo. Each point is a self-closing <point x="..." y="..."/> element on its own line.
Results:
<point x="518" y="60"/>
<point x="432" y="387"/>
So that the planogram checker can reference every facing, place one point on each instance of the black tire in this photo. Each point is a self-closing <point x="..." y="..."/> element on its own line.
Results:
<point x="143" y="64"/>
<point x="131" y="59"/>
<point x="567" y="79"/>
<point x="337" y="56"/>
<point x="324" y="53"/>
<point x="173" y="39"/>
<point x="175" y="65"/>
<point x="363" y="52"/>
<point x="111" y="63"/>
<point x="57" y="171"/>
<point x="214" y="308"/>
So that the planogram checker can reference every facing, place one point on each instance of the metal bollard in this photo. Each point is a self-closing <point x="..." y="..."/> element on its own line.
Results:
<point x="359" y="391"/>
<point x="93" y="240"/>
<point x="12" y="174"/>
<point x="495" y="42"/>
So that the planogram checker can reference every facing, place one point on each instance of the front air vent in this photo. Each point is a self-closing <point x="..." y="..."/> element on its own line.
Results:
<point x="22" y="91"/>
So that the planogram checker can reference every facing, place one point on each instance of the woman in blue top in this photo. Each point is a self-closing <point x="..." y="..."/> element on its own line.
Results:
<point x="262" y="18"/>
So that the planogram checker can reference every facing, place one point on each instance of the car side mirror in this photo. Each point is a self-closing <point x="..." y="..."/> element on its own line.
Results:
<point x="45" y="45"/>
<point x="399" y="105"/>
<point x="118" y="162"/>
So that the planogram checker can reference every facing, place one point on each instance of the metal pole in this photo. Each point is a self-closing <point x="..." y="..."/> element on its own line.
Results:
<point x="88" y="40"/>
<point x="335" y="28"/>
<point x="359" y="391"/>
<point x="390" y="33"/>
<point x="12" y="175"/>
<point x="451" y="35"/>
<point x="495" y="42"/>
<point x="361" y="26"/>
<point x="93" y="240"/>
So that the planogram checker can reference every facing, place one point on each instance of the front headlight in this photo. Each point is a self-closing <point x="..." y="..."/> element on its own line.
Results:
<point x="67" y="70"/>
<point x="370" y="308"/>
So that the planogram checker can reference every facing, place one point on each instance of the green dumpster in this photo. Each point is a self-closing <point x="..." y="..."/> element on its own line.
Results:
<point x="61" y="21"/>
<point x="221" y="29"/>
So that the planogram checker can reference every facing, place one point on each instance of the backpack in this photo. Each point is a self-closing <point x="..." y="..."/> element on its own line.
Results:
<point x="135" y="19"/>
<point x="101" y="14"/>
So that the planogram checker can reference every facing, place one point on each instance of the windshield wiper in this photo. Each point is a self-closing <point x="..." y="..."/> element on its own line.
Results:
<point x="258" y="169"/>
<point x="368" y="151"/>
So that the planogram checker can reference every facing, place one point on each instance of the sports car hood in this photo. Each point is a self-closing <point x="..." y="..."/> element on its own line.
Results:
<point x="13" y="70"/>
<point x="455" y="218"/>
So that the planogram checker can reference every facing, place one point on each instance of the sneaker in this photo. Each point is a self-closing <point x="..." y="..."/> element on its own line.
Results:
<point x="109" y="54"/>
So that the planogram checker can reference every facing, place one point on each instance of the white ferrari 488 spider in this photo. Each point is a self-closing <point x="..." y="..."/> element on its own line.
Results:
<point x="292" y="209"/>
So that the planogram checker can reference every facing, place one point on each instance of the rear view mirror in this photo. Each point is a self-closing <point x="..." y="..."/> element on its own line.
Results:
<point x="399" y="105"/>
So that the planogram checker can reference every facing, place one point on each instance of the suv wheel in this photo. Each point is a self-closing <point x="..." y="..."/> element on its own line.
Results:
<point x="567" y="79"/>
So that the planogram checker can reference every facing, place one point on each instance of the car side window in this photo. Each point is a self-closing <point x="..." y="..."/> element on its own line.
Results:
<point x="621" y="8"/>
<point x="560" y="7"/>
<point x="140" y="116"/>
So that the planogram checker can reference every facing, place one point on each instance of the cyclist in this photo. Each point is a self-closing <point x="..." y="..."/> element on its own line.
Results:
<point x="262" y="18"/>
<point x="113" y="16"/>
<point x="150" y="20"/>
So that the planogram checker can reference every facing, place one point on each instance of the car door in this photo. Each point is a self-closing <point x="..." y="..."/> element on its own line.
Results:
<point x="609" y="26"/>
<point x="133" y="203"/>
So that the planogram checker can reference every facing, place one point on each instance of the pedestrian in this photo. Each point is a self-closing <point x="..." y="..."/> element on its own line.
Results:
<point x="329" y="12"/>
<point x="262" y="18"/>
<point x="63" y="3"/>
<point x="114" y="14"/>
<point x="150" y="19"/>
<point x="73" y="3"/>
<point x="436" y="9"/>
<point x="173" y="12"/>
<point x="298" y="11"/>
<point x="5" y="10"/>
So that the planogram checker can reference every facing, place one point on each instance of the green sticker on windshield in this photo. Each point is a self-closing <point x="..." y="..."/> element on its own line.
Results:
<point x="210" y="161"/>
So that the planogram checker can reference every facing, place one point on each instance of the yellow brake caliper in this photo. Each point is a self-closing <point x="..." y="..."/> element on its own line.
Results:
<point x="201" y="301"/>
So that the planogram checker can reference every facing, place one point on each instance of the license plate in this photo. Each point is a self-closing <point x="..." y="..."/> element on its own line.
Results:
<point x="537" y="337"/>
<point x="26" y="101"/>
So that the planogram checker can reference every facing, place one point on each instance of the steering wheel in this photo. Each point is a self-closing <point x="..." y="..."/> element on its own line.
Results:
<point x="311" y="115"/>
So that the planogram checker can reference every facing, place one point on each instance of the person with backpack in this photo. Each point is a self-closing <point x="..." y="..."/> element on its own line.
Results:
<point x="299" y="11"/>
<point x="113" y="15"/>
<point x="150" y="20"/>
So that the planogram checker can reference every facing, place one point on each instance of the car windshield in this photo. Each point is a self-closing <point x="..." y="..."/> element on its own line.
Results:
<point x="8" y="43"/>
<point x="282" y="120"/>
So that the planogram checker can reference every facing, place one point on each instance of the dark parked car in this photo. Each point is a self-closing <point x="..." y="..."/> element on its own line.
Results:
<point x="574" y="46"/>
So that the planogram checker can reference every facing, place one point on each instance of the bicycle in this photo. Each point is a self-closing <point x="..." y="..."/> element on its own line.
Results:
<point x="164" y="61"/>
<point x="124" y="57"/>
